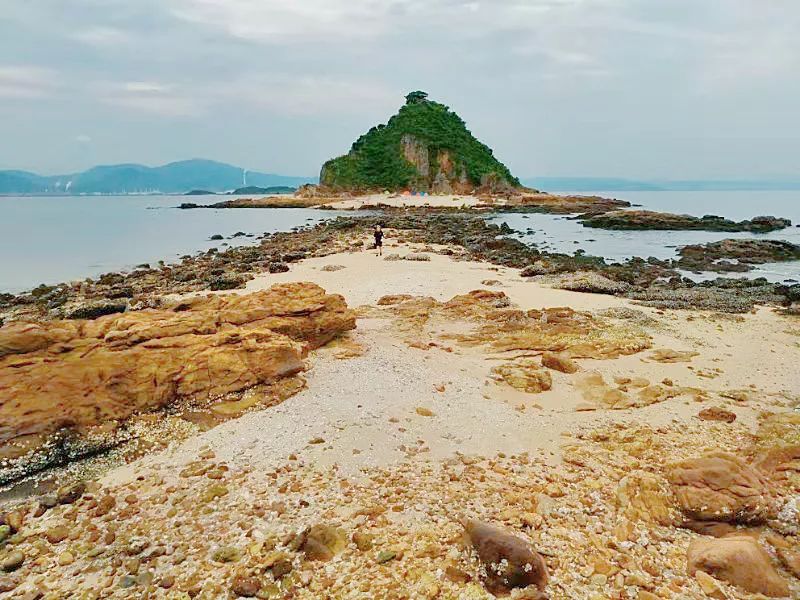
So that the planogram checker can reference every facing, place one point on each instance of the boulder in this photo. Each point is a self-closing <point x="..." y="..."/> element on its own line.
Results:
<point x="559" y="362"/>
<point x="507" y="561"/>
<point x="739" y="561"/>
<point x="721" y="487"/>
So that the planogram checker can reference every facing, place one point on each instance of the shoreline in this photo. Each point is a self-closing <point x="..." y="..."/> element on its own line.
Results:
<point x="388" y="419"/>
<point x="438" y="405"/>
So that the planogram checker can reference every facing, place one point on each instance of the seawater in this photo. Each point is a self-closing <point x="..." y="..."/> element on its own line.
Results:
<point x="54" y="239"/>
<point x="558" y="233"/>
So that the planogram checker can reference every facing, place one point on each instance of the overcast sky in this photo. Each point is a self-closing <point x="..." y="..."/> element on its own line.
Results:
<point x="630" y="88"/>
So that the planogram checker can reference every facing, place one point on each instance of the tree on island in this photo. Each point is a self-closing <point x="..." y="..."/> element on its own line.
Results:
<point x="416" y="97"/>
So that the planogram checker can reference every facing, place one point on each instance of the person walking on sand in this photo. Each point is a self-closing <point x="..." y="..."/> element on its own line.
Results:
<point x="378" y="233"/>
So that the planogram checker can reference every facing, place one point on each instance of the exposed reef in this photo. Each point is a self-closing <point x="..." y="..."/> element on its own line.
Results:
<point x="646" y="219"/>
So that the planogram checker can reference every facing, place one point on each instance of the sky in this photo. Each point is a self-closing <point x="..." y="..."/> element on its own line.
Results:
<point x="671" y="89"/>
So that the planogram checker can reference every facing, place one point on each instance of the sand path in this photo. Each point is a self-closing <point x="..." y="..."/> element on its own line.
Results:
<point x="363" y="411"/>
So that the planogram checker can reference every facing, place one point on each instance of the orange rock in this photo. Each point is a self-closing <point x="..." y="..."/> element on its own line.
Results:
<point x="509" y="562"/>
<point x="716" y="413"/>
<point x="721" y="487"/>
<point x="525" y="375"/>
<point x="740" y="561"/>
<point x="89" y="376"/>
<point x="559" y="362"/>
<point x="645" y="497"/>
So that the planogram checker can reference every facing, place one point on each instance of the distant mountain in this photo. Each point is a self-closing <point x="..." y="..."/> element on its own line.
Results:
<point x="609" y="184"/>
<point x="173" y="178"/>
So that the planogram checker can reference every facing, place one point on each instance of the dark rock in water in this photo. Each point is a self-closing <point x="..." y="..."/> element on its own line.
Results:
<point x="278" y="267"/>
<point x="92" y="310"/>
<point x="216" y="236"/>
<point x="509" y="561"/>
<point x="646" y="219"/>
<point x="187" y="205"/>
<point x="737" y="255"/>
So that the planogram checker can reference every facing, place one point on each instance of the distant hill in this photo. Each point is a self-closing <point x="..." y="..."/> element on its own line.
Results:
<point x="173" y="178"/>
<point x="607" y="184"/>
<point x="425" y="147"/>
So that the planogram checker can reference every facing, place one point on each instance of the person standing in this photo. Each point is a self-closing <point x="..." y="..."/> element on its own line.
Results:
<point x="378" y="233"/>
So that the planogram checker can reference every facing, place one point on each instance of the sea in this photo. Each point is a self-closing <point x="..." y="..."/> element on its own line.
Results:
<point x="559" y="233"/>
<point x="54" y="239"/>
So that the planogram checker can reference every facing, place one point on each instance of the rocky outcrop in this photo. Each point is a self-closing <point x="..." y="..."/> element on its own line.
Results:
<point x="524" y="375"/>
<point x="646" y="219"/>
<point x="740" y="561"/>
<point x="735" y="255"/>
<point x="81" y="380"/>
<point x="424" y="147"/>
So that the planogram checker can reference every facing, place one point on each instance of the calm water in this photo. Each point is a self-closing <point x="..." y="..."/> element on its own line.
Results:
<point x="50" y="240"/>
<point x="560" y="234"/>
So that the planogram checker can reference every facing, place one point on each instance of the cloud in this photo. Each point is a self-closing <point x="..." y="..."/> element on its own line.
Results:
<point x="83" y="138"/>
<point x="101" y="36"/>
<point x="151" y="97"/>
<point x="309" y="95"/>
<point x="18" y="81"/>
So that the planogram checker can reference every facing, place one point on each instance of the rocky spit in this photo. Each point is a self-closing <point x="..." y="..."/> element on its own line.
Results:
<point x="659" y="488"/>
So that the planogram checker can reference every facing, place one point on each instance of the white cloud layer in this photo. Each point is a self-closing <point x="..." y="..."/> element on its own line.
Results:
<point x="598" y="87"/>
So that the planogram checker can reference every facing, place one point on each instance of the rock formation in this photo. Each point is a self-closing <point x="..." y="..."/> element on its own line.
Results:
<point x="646" y="219"/>
<point x="424" y="147"/>
<point x="81" y="380"/>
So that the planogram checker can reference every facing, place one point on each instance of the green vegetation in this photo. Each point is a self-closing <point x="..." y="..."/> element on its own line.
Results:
<point x="376" y="160"/>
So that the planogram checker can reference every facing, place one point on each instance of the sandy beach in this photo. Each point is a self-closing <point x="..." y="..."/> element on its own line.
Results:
<point x="406" y="425"/>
